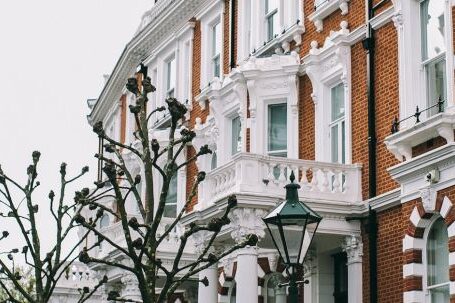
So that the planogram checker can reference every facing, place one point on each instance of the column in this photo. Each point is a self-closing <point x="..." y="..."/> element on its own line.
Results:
<point x="354" y="250"/>
<point x="246" y="277"/>
<point x="310" y="290"/>
<point x="209" y="294"/>
<point x="131" y="288"/>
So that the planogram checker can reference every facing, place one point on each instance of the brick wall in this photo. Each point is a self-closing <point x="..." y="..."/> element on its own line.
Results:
<point x="306" y="120"/>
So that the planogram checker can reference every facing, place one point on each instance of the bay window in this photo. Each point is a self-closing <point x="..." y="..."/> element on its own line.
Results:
<point x="277" y="130"/>
<point x="170" y="78"/>
<point x="338" y="125"/>
<point x="271" y="18"/>
<point x="236" y="137"/>
<point x="433" y="50"/>
<point x="170" y="209"/>
<point x="438" y="263"/>
<point x="216" y="50"/>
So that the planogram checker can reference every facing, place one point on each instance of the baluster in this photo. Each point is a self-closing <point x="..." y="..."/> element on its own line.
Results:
<point x="314" y="179"/>
<point x="336" y="181"/>
<point x="282" y="177"/>
<point x="304" y="179"/>
<point x="325" y="180"/>
<point x="271" y="175"/>
<point x="344" y="179"/>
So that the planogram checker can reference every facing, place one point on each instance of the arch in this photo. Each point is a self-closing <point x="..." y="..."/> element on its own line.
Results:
<point x="438" y="208"/>
<point x="271" y="290"/>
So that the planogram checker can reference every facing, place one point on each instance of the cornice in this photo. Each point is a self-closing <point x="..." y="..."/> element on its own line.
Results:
<point x="385" y="201"/>
<point x="140" y="47"/>
<point x="383" y="18"/>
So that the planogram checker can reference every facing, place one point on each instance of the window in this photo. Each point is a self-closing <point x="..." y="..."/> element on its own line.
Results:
<point x="104" y="222"/>
<point x="340" y="293"/>
<point x="170" y="209"/>
<point x="438" y="263"/>
<point x="433" y="50"/>
<point x="170" y="78"/>
<point x="236" y="137"/>
<point x="216" y="49"/>
<point x="213" y="163"/>
<point x="274" y="292"/>
<point x="271" y="18"/>
<point x="277" y="130"/>
<point x="337" y="125"/>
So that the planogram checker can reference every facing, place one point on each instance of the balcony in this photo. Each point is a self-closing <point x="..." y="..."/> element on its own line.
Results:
<point x="325" y="184"/>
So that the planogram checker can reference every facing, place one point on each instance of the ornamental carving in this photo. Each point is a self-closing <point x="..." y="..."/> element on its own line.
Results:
<point x="428" y="195"/>
<point x="354" y="249"/>
<point x="245" y="221"/>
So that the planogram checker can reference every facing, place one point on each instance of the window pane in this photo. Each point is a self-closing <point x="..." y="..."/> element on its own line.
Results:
<point x="216" y="39"/>
<point x="337" y="96"/>
<point x="214" y="161"/>
<point x="334" y="142"/>
<point x="343" y="142"/>
<point x="432" y="23"/>
<point x="236" y="139"/>
<point x="216" y="66"/>
<point x="277" y="127"/>
<point x="440" y="294"/>
<point x="170" y="209"/>
<point x="436" y="77"/>
<point x="438" y="254"/>
<point x="171" y="72"/>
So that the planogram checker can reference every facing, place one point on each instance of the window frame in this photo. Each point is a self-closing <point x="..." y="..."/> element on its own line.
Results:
<point x="271" y="15"/>
<point x="267" y="104"/>
<point x="170" y="91"/>
<point x="239" y="137"/>
<point x="426" y="288"/>
<point x="340" y="123"/>
<point x="216" y="56"/>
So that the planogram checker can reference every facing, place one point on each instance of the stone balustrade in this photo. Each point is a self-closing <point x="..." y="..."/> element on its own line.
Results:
<point x="265" y="175"/>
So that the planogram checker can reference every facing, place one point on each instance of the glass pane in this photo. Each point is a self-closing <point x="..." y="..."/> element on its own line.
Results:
<point x="432" y="23"/>
<point x="277" y="127"/>
<point x="334" y="142"/>
<point x="171" y="72"/>
<point x="274" y="232"/>
<point x="337" y="102"/>
<point x="440" y="294"/>
<point x="216" y="66"/>
<point x="438" y="254"/>
<point x="236" y="140"/>
<point x="216" y="39"/>
<point x="343" y="142"/>
<point x="170" y="209"/>
<point x="214" y="161"/>
<point x="436" y="76"/>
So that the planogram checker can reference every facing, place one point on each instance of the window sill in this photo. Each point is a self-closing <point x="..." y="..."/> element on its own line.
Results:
<point x="326" y="9"/>
<point x="402" y="142"/>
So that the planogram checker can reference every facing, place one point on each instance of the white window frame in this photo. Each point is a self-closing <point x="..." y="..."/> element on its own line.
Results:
<point x="267" y="104"/>
<point x="209" y="16"/>
<point x="426" y="289"/>
<point x="413" y="86"/>
<point x="170" y="91"/>
<point x="430" y="62"/>
<point x="339" y="123"/>
<point x="271" y="15"/>
<point x="231" y="132"/>
<point x="216" y="57"/>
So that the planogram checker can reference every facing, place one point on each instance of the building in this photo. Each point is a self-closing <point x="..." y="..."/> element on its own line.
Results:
<point x="343" y="92"/>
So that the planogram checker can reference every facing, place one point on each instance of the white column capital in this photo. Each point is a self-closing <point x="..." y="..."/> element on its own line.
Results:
<point x="354" y="249"/>
<point x="246" y="221"/>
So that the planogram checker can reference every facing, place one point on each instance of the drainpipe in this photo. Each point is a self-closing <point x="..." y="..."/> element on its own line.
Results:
<point x="369" y="45"/>
<point x="232" y="25"/>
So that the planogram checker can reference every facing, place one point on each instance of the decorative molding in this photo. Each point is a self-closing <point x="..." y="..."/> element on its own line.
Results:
<point x="428" y="195"/>
<point x="354" y="249"/>
<point x="326" y="9"/>
<point x="131" y="287"/>
<point x="247" y="221"/>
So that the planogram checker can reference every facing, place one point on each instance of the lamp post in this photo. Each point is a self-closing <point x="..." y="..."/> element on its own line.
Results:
<point x="292" y="226"/>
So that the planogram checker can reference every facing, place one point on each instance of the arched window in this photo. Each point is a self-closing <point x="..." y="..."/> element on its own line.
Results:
<point x="214" y="163"/>
<point x="438" y="263"/>
<point x="104" y="222"/>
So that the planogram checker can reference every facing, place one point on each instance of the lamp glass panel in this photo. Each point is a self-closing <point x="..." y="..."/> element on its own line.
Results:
<point x="276" y="236"/>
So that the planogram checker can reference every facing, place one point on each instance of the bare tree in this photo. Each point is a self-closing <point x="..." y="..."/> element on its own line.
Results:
<point x="142" y="242"/>
<point x="19" y="207"/>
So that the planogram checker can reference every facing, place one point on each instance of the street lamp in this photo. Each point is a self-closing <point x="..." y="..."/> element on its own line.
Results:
<point x="292" y="226"/>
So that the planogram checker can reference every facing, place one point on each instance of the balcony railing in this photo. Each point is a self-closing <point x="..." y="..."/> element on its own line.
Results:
<point x="265" y="176"/>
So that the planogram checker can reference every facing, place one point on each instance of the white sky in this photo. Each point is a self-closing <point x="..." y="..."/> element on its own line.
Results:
<point x="53" y="54"/>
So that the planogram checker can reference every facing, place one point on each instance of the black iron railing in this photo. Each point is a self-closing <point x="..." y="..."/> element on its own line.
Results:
<point x="396" y="123"/>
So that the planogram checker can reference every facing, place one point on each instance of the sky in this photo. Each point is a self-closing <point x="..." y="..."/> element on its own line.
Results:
<point x="53" y="54"/>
